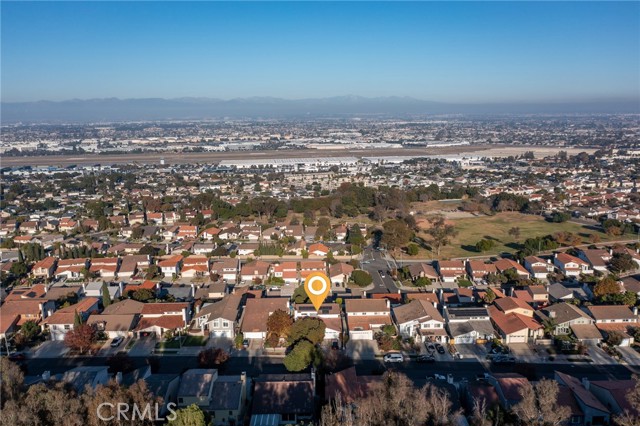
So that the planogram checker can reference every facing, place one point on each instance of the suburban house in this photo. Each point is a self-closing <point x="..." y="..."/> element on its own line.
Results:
<point x="597" y="258"/>
<point x="210" y="233"/>
<point x="63" y="320"/>
<point x="227" y="269"/>
<point x="309" y="266"/>
<point x="339" y="274"/>
<point x="114" y="325"/>
<point x="256" y="271"/>
<point x="514" y="327"/>
<point x="318" y="249"/>
<point x="537" y="267"/>
<point x="467" y="325"/>
<point x="196" y="387"/>
<point x="106" y="267"/>
<point x="220" y="318"/>
<point x="171" y="266"/>
<point x="133" y="264"/>
<point x="564" y="316"/>
<point x="478" y="270"/>
<point x="188" y="231"/>
<point x="195" y="266"/>
<point x="613" y="394"/>
<point x="287" y="271"/>
<point x="508" y="386"/>
<point x="44" y="268"/>
<point x="203" y="248"/>
<point x="348" y="385"/>
<point x="616" y="318"/>
<point x="593" y="411"/>
<point x="513" y="305"/>
<point x="504" y="265"/>
<point x="158" y="318"/>
<point x="229" y="400"/>
<point x="155" y="218"/>
<point x="420" y="319"/>
<point x="71" y="268"/>
<point x="283" y="399"/>
<point x="366" y="316"/>
<point x="451" y="270"/>
<point x="422" y="270"/>
<point x="329" y="313"/>
<point x="571" y="266"/>
<point x="256" y="313"/>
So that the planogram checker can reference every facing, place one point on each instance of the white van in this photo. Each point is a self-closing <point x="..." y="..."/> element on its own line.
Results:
<point x="396" y="357"/>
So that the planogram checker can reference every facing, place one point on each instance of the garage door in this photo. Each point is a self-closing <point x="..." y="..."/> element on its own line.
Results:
<point x="219" y="334"/>
<point x="517" y="339"/>
<point x="465" y="339"/>
<point x="361" y="335"/>
<point x="253" y="335"/>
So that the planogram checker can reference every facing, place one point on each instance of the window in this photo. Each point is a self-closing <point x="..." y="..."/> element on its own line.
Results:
<point x="67" y="327"/>
<point x="216" y="323"/>
<point x="225" y="324"/>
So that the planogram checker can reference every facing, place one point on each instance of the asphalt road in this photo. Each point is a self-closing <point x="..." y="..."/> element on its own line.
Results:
<point x="417" y="372"/>
<point x="373" y="262"/>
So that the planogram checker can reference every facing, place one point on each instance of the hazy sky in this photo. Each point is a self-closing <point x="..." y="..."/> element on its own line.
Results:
<point x="456" y="52"/>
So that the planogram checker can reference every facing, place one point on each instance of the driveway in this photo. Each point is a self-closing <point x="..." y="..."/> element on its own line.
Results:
<point x="107" y="350"/>
<point x="630" y="355"/>
<point x="598" y="356"/>
<point x="362" y="349"/>
<point x="144" y="346"/>
<point x="50" y="349"/>
<point x="472" y="351"/>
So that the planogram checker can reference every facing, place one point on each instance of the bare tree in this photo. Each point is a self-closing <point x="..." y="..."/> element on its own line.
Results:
<point x="479" y="415"/>
<point x="551" y="413"/>
<point x="629" y="418"/>
<point x="527" y="409"/>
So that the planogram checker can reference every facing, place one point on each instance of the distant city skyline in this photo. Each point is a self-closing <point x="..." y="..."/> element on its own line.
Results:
<point x="477" y="52"/>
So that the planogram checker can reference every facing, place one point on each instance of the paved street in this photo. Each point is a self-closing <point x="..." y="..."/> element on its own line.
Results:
<point x="374" y="261"/>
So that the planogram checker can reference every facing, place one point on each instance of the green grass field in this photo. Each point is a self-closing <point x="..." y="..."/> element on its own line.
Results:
<point x="471" y="230"/>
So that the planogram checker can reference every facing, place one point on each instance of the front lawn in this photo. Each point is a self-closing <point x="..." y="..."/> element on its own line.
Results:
<point x="194" y="341"/>
<point x="168" y="344"/>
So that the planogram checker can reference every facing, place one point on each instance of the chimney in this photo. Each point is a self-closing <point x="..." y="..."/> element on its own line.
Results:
<point x="313" y="379"/>
<point x="388" y="303"/>
<point x="552" y="314"/>
<point x="43" y="313"/>
<point x="635" y="310"/>
<point x="121" y="289"/>
<point x="46" y="376"/>
<point x="184" y="315"/>
<point x="119" y="377"/>
<point x="585" y="383"/>
<point x="193" y="290"/>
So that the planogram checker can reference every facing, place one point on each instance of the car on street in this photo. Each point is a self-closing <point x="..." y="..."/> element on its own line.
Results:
<point x="116" y="341"/>
<point x="245" y="343"/>
<point x="335" y="345"/>
<point x="382" y="273"/>
<point x="440" y="348"/>
<point x="425" y="359"/>
<point x="503" y="360"/>
<point x="430" y="347"/>
<point x="395" y="357"/>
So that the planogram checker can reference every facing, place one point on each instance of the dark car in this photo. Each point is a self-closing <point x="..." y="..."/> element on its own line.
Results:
<point x="503" y="360"/>
<point x="440" y="348"/>
<point x="245" y="343"/>
<point x="425" y="359"/>
<point x="335" y="345"/>
<point x="17" y="356"/>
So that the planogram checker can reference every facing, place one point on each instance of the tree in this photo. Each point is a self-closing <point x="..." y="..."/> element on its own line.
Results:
<point x="81" y="338"/>
<point x="77" y="319"/>
<point x="143" y="295"/>
<point x="300" y="356"/>
<point x="440" y="232"/>
<point x="354" y="235"/>
<point x="18" y="269"/>
<point x="413" y="249"/>
<point x="396" y="234"/>
<point x="515" y="233"/>
<point x="489" y="296"/>
<point x="422" y="282"/>
<point x="307" y="328"/>
<point x="485" y="245"/>
<point x="189" y="416"/>
<point x="212" y="358"/>
<point x="106" y="297"/>
<point x="622" y="262"/>
<point x="549" y="325"/>
<point x="606" y="286"/>
<point x="29" y="329"/>
<point x="539" y="405"/>
<point x="279" y="324"/>
<point x="300" y="295"/>
<point x="559" y="217"/>
<point x="113" y="393"/>
<point x="361" y="278"/>
<point x="631" y="418"/>
<point x="12" y="380"/>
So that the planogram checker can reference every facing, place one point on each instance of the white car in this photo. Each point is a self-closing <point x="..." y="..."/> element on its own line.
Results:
<point x="393" y="358"/>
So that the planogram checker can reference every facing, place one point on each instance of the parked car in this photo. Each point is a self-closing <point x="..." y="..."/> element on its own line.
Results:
<point x="503" y="360"/>
<point x="440" y="348"/>
<point x="116" y="341"/>
<point x="430" y="347"/>
<point x="335" y="345"/>
<point x="382" y="273"/>
<point x="426" y="359"/>
<point x="395" y="357"/>
<point x="245" y="343"/>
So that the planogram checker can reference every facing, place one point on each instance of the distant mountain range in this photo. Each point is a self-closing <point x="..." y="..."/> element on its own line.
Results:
<point x="114" y="109"/>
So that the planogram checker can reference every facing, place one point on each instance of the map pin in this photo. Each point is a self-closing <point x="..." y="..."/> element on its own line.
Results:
<point x="317" y="286"/>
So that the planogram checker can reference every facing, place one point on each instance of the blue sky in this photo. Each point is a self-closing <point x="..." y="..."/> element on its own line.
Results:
<point x="452" y="52"/>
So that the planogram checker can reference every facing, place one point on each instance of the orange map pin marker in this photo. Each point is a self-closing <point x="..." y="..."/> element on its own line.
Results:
<point x="317" y="286"/>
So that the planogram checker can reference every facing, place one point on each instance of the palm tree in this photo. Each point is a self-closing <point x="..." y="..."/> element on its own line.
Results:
<point x="549" y="325"/>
